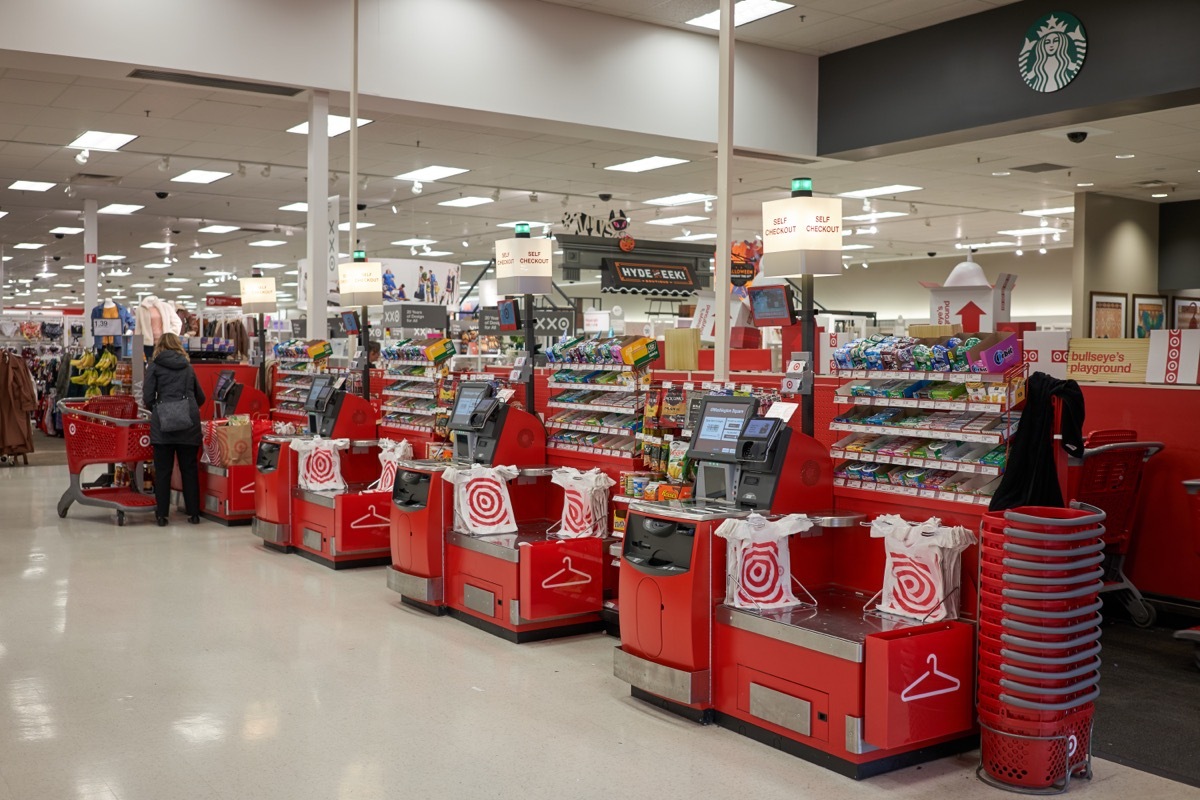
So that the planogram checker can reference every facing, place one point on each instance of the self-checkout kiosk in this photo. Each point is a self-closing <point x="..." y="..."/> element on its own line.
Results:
<point x="672" y="572"/>
<point x="338" y="529"/>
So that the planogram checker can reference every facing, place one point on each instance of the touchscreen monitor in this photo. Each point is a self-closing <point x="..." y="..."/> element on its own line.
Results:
<point x="468" y="396"/>
<point x="771" y="305"/>
<point x="716" y="434"/>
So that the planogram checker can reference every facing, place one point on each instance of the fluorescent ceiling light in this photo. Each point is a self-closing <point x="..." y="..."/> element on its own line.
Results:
<point x="267" y="243"/>
<point x="198" y="254"/>
<point x="292" y="272"/>
<point x="156" y="266"/>
<point x="879" y="191"/>
<point x="99" y="140"/>
<point x="482" y="263"/>
<point x="28" y="246"/>
<point x="158" y="245"/>
<point x="875" y="216"/>
<point x="434" y="253"/>
<point x="120" y="208"/>
<point x="1049" y="212"/>
<point x="337" y="125"/>
<point x="858" y="247"/>
<point x="694" y="237"/>
<point x="744" y="11"/>
<point x="302" y="207"/>
<point x="66" y="231"/>
<point x="32" y="186"/>
<point x="41" y="290"/>
<point x="680" y="199"/>
<point x="218" y="294"/>
<point x="647" y="164"/>
<point x="63" y="285"/>
<point x="430" y="174"/>
<point x="1125" y="155"/>
<point x="47" y="274"/>
<point x="111" y="258"/>
<point x="1001" y="174"/>
<point x="1159" y="194"/>
<point x="185" y="297"/>
<point x="414" y="242"/>
<point x="176" y="280"/>
<point x="345" y="226"/>
<point x="289" y="283"/>
<point x="1084" y="185"/>
<point x="1032" y="231"/>
<point x="200" y="176"/>
<point x="684" y="220"/>
<point x="521" y="222"/>
<point x="74" y="267"/>
<point x="219" y="229"/>
<point x="978" y="245"/>
<point x="267" y="265"/>
<point x="3" y="214"/>
<point x="172" y="289"/>
<point x="465" y="202"/>
<point x="143" y="286"/>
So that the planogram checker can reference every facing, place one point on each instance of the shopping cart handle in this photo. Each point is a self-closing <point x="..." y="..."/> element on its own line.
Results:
<point x="1152" y="449"/>
<point x="67" y="407"/>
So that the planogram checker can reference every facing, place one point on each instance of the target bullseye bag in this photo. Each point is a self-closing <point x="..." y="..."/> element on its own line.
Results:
<point x="391" y="452"/>
<point x="481" y="501"/>
<point x="585" y="502"/>
<point x="758" y="571"/>
<point x="319" y="465"/>
<point x="922" y="574"/>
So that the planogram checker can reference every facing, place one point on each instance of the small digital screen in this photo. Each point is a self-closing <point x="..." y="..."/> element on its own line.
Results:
<point x="510" y="315"/>
<point x="224" y="384"/>
<point x="350" y="322"/>
<point x="758" y="429"/>
<point x="714" y="482"/>
<point x="468" y="397"/>
<point x="771" y="305"/>
<point x="716" y="436"/>
<point x="320" y="388"/>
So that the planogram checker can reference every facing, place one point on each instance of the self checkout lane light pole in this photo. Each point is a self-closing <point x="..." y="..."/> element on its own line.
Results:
<point x="364" y="335"/>
<point x="802" y="187"/>
<point x="530" y="342"/>
<point x="360" y="283"/>
<point x="524" y="266"/>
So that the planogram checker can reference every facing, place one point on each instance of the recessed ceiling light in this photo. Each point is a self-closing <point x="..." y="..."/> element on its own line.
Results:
<point x="482" y="263"/>
<point x="111" y="258"/>
<point x="1125" y="155"/>
<point x="879" y="191"/>
<point x="120" y="208"/>
<point x="267" y="243"/>
<point x="858" y="247"/>
<point x="6" y="258"/>
<point x="176" y="280"/>
<point x="218" y="294"/>
<point x="414" y="242"/>
<point x="206" y="255"/>
<point x="158" y="245"/>
<point x="219" y="229"/>
<point x="28" y="246"/>
<point x="185" y="297"/>
<point x="1032" y="231"/>
<point x="435" y="253"/>
<point x="200" y="176"/>
<point x="155" y="266"/>
<point x="41" y="290"/>
<point x="47" y="275"/>
<point x="172" y="289"/>
<point x="744" y="11"/>
<point x="291" y="272"/>
<point x="1001" y="174"/>
<point x="431" y="174"/>
<point x="337" y="125"/>
<point x="302" y="207"/>
<point x="465" y="202"/>
<point x="1159" y="194"/>
<point x="32" y="186"/>
<point x="289" y="283"/>
<point x="142" y="286"/>
<point x="875" y="216"/>
<point x="99" y="140"/>
<point x="268" y="265"/>
<point x="1084" y="185"/>
<point x="73" y="268"/>
<point x="1049" y="212"/>
<point x="681" y="199"/>
<point x="976" y="245"/>
<point x="647" y="164"/>
<point x="694" y="237"/>
<point x="66" y="231"/>
<point x="63" y="285"/>
<point x="520" y="222"/>
<point x="684" y="220"/>
<point x="345" y="226"/>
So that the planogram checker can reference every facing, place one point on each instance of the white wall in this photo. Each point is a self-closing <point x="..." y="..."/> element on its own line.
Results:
<point x="512" y="57"/>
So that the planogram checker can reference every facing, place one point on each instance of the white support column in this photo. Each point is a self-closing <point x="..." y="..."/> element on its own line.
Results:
<point x="91" y="268"/>
<point x="724" y="191"/>
<point x="354" y="139"/>
<point x="318" y="212"/>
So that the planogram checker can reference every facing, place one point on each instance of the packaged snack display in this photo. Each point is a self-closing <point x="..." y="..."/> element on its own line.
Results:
<point x="677" y="463"/>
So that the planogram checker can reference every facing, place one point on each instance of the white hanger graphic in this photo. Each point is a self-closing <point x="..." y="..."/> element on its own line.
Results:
<point x="567" y="576"/>
<point x="248" y="488"/>
<point x="952" y="684"/>
<point x="372" y="519"/>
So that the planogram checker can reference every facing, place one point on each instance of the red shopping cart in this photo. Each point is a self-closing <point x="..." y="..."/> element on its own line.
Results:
<point x="1193" y="490"/>
<point x="105" y="430"/>
<point x="1109" y="476"/>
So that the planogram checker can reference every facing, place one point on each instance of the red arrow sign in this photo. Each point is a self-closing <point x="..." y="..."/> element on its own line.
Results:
<point x="970" y="315"/>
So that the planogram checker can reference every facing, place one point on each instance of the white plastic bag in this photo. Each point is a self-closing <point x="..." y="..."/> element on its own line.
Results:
<point x="922" y="576"/>
<point x="758" y="570"/>
<point x="481" y="501"/>
<point x="319" y="465"/>
<point x="390" y="452"/>
<point x="585" y="502"/>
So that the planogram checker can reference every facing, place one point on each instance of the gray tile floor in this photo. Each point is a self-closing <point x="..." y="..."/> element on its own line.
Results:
<point x="186" y="662"/>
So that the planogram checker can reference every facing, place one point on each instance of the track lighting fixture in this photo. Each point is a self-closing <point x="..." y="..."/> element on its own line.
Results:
<point x="495" y="195"/>
<point x="426" y="248"/>
<point x="364" y="183"/>
<point x="164" y="163"/>
<point x="241" y="170"/>
<point x="533" y="197"/>
<point x="266" y="171"/>
<point x="566" y="199"/>
<point x="867" y="205"/>
<point x="417" y="188"/>
<point x="82" y="156"/>
<point x="465" y="244"/>
<point x="865" y="265"/>
<point x="1020" y="252"/>
<point x="708" y="206"/>
<point x="412" y="251"/>
<point x="394" y="211"/>
<point x="1042" y="250"/>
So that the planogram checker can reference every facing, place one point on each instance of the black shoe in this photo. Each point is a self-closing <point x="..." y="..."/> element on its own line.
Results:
<point x="162" y="521"/>
<point x="194" y="519"/>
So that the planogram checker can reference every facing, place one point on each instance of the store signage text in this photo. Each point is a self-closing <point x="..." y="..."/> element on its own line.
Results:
<point x="647" y="277"/>
<point x="802" y="223"/>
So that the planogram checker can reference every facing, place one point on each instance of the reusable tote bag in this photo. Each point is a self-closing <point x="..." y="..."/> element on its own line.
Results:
<point x="585" y="502"/>
<point x="758" y="571"/>
<point x="922" y="575"/>
<point x="318" y="463"/>
<point x="481" y="501"/>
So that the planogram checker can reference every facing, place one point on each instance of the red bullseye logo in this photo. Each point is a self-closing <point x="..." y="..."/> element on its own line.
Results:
<point x="762" y="577"/>
<point x="319" y="467"/>
<point x="488" y="502"/>
<point x="1058" y="356"/>
<point x="914" y="590"/>
<point x="1031" y="356"/>
<point x="387" y="478"/>
<point x="577" y="512"/>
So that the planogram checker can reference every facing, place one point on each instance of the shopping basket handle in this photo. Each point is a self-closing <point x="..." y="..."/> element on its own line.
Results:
<point x="1027" y="550"/>
<point x="1097" y="516"/>
<point x="1041" y="675"/>
<point x="1034" y="644"/>
<point x="1042" y="566"/>
<point x="1021" y="533"/>
<point x="1056" y="661"/>
<point x="1082" y="591"/>
<point x="1035" y="706"/>
<point x="1037" y="613"/>
<point x="1078" y="627"/>
<point x="1025" y="580"/>
<point x="1025" y="688"/>
<point x="1192" y="486"/>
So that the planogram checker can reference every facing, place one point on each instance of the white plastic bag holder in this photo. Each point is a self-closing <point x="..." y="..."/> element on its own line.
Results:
<point x="585" y="503"/>
<point x="922" y="576"/>
<point x="390" y="453"/>
<point x="482" y="504"/>
<point x="758" y="571"/>
<point x="319" y="465"/>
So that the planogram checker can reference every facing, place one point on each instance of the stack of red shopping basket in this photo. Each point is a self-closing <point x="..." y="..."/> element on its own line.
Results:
<point x="1039" y="632"/>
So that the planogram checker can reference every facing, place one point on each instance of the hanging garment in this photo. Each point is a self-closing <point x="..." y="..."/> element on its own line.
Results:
<point x="17" y="400"/>
<point x="758" y="569"/>
<point x="154" y="317"/>
<point x="922" y="575"/>
<point x="319" y="466"/>
<point x="585" y="502"/>
<point x="1031" y="477"/>
<point x="391" y="452"/>
<point x="481" y="501"/>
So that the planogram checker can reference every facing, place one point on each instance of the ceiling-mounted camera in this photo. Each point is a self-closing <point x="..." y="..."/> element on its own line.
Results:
<point x="1077" y="137"/>
<point x="162" y="195"/>
<point x="58" y="258"/>
<point x="931" y="254"/>
<point x="604" y="197"/>
<point x="175" y="232"/>
<point x="362" y="206"/>
<point x="59" y="235"/>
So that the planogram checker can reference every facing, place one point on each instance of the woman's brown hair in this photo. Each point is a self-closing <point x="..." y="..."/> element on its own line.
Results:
<point x="168" y="341"/>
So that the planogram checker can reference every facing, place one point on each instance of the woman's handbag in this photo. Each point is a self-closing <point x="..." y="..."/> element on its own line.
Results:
<point x="177" y="415"/>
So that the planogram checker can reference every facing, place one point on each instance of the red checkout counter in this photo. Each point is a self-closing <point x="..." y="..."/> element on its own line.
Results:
<point x="522" y="586"/>
<point x="825" y="680"/>
<point x="336" y="528"/>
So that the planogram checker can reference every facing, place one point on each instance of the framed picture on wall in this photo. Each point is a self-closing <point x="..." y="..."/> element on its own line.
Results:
<point x="1109" y="313"/>
<point x="1149" y="314"/>
<point x="1186" y="313"/>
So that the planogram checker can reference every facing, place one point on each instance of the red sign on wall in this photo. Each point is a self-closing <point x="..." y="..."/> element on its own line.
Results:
<point x="89" y="258"/>
<point x="221" y="300"/>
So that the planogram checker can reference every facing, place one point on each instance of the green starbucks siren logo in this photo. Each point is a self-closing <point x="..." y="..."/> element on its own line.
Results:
<point x="1053" y="53"/>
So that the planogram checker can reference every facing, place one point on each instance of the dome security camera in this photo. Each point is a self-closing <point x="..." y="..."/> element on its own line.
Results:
<point x="604" y="197"/>
<point x="162" y="195"/>
<point x="58" y="258"/>
<point x="59" y="236"/>
<point x="1077" y="137"/>
<point x="931" y="254"/>
<point x="362" y="206"/>
<point x="175" y="232"/>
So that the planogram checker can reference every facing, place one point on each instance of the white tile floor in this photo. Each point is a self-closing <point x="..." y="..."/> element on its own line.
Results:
<point x="186" y="663"/>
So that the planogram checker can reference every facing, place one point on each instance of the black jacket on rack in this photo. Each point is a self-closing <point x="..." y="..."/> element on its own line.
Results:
<point x="1030" y="477"/>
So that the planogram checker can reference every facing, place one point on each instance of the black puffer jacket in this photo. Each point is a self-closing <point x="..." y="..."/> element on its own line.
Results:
<point x="169" y="377"/>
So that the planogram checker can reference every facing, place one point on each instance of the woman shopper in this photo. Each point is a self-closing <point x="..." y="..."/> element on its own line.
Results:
<point x="174" y="397"/>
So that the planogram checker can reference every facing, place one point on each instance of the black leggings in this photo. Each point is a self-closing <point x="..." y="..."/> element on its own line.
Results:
<point x="189" y="473"/>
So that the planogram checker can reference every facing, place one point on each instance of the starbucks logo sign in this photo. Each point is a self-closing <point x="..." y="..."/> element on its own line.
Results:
<point x="1053" y="53"/>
